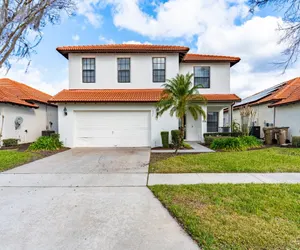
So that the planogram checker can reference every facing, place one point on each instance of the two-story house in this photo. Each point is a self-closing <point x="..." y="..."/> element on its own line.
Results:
<point x="113" y="90"/>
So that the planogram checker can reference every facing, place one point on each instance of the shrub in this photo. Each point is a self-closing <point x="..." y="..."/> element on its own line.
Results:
<point x="175" y="134"/>
<point x="46" y="143"/>
<point x="186" y="145"/>
<point x="209" y="139"/>
<point x="251" y="141"/>
<point x="165" y="139"/>
<point x="231" y="134"/>
<point x="10" y="142"/>
<point x="236" y="143"/>
<point x="296" y="141"/>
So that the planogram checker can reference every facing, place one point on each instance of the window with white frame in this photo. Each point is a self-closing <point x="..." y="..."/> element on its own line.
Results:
<point x="88" y="70"/>
<point x="202" y="76"/>
<point x="123" y="70"/>
<point x="159" y="69"/>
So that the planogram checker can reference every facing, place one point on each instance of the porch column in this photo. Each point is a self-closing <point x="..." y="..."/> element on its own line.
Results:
<point x="203" y="124"/>
<point x="230" y="117"/>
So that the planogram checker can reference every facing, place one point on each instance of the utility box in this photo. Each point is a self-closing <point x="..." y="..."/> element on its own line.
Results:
<point x="255" y="131"/>
<point x="47" y="132"/>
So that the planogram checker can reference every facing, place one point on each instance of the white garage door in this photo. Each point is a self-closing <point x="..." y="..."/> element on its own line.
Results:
<point x="112" y="129"/>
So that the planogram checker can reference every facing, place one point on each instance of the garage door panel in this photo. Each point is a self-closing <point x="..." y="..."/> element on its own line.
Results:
<point x="112" y="129"/>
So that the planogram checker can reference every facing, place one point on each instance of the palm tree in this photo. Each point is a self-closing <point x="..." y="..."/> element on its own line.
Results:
<point x="180" y="96"/>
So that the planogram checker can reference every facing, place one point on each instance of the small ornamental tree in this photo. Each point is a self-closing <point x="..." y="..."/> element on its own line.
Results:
<point x="180" y="97"/>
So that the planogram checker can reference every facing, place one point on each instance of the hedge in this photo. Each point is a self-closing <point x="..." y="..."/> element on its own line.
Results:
<point x="165" y="138"/>
<point x="10" y="142"/>
<point x="175" y="135"/>
<point x="235" y="143"/>
<point x="296" y="141"/>
<point x="231" y="134"/>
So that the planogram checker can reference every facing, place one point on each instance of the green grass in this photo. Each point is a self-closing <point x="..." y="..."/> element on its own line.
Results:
<point x="228" y="216"/>
<point x="12" y="158"/>
<point x="262" y="160"/>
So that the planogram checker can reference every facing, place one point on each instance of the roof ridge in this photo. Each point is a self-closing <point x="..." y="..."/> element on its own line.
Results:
<point x="27" y="86"/>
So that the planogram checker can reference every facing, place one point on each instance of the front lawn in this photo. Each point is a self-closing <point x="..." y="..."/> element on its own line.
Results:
<point x="228" y="216"/>
<point x="13" y="158"/>
<point x="254" y="161"/>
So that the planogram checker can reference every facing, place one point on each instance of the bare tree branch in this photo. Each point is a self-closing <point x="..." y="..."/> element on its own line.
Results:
<point x="19" y="18"/>
<point x="290" y="28"/>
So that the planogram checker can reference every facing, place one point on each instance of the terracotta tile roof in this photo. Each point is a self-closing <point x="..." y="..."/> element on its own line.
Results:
<point x="289" y="93"/>
<point x="121" y="48"/>
<point x="125" y="95"/>
<point x="19" y="93"/>
<point x="281" y="94"/>
<point x="192" y="58"/>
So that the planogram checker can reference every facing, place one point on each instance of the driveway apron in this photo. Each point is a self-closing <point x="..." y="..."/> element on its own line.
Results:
<point x="86" y="198"/>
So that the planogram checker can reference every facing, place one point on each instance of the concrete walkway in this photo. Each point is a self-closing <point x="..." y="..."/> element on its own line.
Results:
<point x="197" y="148"/>
<point x="86" y="199"/>
<point x="235" y="178"/>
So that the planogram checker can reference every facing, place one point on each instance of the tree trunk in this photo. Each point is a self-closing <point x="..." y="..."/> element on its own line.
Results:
<point x="181" y="137"/>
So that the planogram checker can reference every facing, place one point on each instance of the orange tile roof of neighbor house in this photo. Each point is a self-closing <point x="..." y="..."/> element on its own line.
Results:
<point x="18" y="93"/>
<point x="282" y="94"/>
<point x="125" y="95"/>
<point x="289" y="93"/>
<point x="146" y="48"/>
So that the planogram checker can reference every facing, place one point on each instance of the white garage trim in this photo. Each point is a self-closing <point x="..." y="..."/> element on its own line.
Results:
<point x="112" y="128"/>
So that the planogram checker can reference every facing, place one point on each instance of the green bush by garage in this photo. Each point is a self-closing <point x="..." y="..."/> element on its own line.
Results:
<point x="47" y="143"/>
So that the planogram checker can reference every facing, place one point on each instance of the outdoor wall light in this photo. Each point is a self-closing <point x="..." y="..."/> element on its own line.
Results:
<point x="65" y="111"/>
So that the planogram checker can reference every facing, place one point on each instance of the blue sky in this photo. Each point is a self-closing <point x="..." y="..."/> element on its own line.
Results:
<point x="207" y="26"/>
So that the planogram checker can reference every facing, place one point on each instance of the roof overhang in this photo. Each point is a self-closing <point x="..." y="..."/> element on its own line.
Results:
<point x="127" y="95"/>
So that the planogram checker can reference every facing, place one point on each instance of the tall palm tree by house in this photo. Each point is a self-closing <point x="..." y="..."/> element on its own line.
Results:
<point x="180" y="97"/>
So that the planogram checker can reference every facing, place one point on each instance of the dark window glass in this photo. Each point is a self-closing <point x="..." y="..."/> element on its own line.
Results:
<point x="88" y="70"/>
<point x="123" y="69"/>
<point x="159" y="69"/>
<point x="212" y="121"/>
<point x="202" y="76"/>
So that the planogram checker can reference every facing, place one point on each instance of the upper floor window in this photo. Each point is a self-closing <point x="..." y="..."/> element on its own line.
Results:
<point x="123" y="69"/>
<point x="159" y="69"/>
<point x="202" y="76"/>
<point x="88" y="70"/>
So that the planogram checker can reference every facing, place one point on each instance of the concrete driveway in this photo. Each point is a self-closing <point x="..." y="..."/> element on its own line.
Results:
<point x="86" y="199"/>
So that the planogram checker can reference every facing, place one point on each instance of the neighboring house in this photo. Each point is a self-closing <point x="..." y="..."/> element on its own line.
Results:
<point x="25" y="111"/>
<point x="113" y="90"/>
<point x="276" y="106"/>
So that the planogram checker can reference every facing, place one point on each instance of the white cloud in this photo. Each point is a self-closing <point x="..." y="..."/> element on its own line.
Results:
<point x="90" y="10"/>
<point x="135" y="42"/>
<point x="34" y="78"/>
<point x="213" y="23"/>
<point x="106" y="40"/>
<point x="76" y="38"/>
<point x="175" y="18"/>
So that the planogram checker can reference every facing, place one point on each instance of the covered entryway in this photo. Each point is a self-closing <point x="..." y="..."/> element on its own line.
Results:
<point x="112" y="129"/>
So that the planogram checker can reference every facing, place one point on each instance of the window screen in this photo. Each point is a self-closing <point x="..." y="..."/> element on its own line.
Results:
<point x="123" y="69"/>
<point x="88" y="70"/>
<point x="202" y="76"/>
<point x="159" y="69"/>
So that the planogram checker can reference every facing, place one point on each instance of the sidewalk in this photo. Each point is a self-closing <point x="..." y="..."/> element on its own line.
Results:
<point x="197" y="148"/>
<point x="235" y="178"/>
